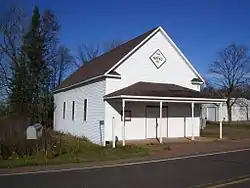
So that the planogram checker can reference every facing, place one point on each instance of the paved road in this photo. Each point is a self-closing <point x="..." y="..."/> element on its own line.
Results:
<point x="245" y="184"/>
<point x="192" y="172"/>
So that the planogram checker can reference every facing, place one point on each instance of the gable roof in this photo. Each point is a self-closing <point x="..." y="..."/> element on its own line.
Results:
<point x="149" y="89"/>
<point x="105" y="64"/>
<point x="100" y="65"/>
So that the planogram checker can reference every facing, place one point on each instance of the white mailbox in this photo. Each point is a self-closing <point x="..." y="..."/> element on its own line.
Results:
<point x="34" y="131"/>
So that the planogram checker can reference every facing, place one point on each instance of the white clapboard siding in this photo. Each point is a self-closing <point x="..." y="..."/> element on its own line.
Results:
<point x="91" y="128"/>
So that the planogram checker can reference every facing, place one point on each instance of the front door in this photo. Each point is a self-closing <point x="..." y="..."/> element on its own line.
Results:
<point x="211" y="112"/>
<point x="152" y="121"/>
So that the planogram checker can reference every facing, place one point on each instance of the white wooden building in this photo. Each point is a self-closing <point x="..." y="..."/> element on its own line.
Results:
<point x="240" y="111"/>
<point x="148" y="78"/>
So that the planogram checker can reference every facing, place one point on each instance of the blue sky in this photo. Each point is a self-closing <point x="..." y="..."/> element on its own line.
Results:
<point x="200" y="28"/>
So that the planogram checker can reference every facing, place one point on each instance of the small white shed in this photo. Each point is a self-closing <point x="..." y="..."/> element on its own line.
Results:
<point x="240" y="111"/>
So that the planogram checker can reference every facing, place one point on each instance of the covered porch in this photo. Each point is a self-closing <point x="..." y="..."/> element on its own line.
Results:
<point x="159" y="111"/>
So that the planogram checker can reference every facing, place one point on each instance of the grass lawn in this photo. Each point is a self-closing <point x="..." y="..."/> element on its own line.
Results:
<point x="76" y="150"/>
<point x="95" y="155"/>
<point x="232" y="131"/>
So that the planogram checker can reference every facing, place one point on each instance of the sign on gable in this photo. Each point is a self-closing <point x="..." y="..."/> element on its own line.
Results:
<point x="158" y="59"/>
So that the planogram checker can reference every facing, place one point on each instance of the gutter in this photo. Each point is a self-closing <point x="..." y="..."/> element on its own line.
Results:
<point x="86" y="81"/>
<point x="164" y="98"/>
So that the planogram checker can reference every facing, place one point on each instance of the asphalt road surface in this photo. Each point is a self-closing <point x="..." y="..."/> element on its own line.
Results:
<point x="230" y="170"/>
<point x="245" y="184"/>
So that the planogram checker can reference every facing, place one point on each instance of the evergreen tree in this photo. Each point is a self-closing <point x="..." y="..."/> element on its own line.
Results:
<point x="31" y="91"/>
<point x="33" y="49"/>
<point x="34" y="65"/>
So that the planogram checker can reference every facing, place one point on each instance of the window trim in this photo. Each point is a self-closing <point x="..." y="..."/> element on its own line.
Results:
<point x="127" y="115"/>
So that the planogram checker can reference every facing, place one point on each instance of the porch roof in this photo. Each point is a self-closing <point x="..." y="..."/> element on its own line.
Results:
<point x="149" y="90"/>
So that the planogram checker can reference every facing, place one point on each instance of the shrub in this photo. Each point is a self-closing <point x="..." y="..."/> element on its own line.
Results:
<point x="5" y="151"/>
<point x="55" y="147"/>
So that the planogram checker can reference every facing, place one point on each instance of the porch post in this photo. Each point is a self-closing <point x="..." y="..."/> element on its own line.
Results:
<point x="113" y="132"/>
<point x="220" y="118"/>
<point x="192" y="106"/>
<point x="123" y="122"/>
<point x="160" y="122"/>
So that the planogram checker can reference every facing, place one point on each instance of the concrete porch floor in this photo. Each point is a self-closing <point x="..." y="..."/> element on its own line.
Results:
<point x="164" y="140"/>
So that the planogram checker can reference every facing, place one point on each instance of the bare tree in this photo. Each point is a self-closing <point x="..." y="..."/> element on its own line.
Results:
<point x="231" y="72"/>
<point x="61" y="65"/>
<point x="112" y="44"/>
<point x="11" y="31"/>
<point x="208" y="88"/>
<point x="86" y="53"/>
<point x="3" y="81"/>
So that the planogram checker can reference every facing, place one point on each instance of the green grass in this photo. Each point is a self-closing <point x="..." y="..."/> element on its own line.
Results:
<point x="81" y="157"/>
<point x="75" y="150"/>
<point x="239" y="126"/>
<point x="230" y="131"/>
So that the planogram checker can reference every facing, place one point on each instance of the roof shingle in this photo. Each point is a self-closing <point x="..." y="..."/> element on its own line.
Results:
<point x="103" y="63"/>
<point x="160" y="90"/>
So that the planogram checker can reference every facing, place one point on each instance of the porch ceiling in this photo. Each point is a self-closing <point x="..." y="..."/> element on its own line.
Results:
<point x="159" y="91"/>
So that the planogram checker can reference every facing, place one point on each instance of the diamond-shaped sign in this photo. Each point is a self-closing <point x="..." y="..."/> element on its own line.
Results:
<point x="158" y="59"/>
